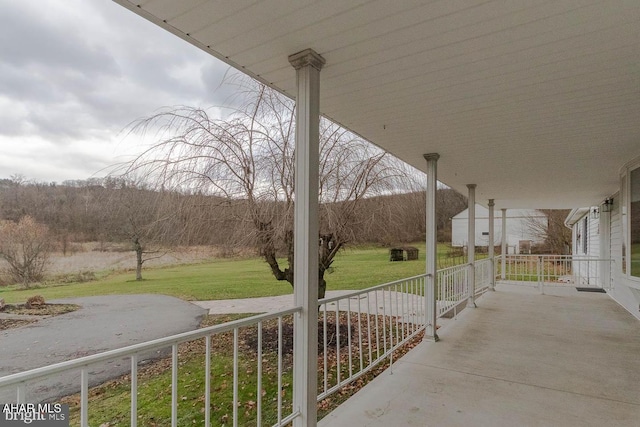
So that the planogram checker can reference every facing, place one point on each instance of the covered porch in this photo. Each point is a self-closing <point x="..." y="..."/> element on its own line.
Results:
<point x="522" y="104"/>
<point x="565" y="358"/>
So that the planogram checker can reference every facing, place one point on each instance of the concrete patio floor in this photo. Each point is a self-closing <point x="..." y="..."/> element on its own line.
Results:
<point x="566" y="358"/>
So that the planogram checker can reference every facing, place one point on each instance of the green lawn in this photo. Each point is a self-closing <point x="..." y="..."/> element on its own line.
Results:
<point x="355" y="268"/>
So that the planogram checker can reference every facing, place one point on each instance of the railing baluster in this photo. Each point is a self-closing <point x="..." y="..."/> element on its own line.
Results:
<point x="280" y="371"/>
<point x="21" y="393"/>
<point x="398" y="314"/>
<point x="403" y="305"/>
<point x="360" y="336"/>
<point x="349" y="342"/>
<point x="412" y="306"/>
<point x="384" y="322"/>
<point x="338" y="367"/>
<point x="377" y="325"/>
<point x="235" y="377"/>
<point x="134" y="390"/>
<point x="325" y="356"/>
<point x="259" y="379"/>
<point x="84" y="397"/>
<point x="391" y="345"/>
<point x="207" y="381"/>
<point x="369" y="343"/>
<point x="174" y="385"/>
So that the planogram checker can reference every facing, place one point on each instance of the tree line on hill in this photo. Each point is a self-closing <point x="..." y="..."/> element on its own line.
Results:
<point x="115" y="210"/>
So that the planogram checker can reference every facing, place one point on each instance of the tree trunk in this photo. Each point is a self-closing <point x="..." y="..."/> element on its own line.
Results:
<point x="322" y="286"/>
<point x="138" y="248"/>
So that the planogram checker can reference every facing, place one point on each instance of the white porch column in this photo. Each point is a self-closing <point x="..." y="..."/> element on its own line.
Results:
<point x="605" y="248"/>
<point x="430" y="309"/>
<point x="305" y="354"/>
<point x="504" y="243"/>
<point x="471" y="246"/>
<point x="492" y="283"/>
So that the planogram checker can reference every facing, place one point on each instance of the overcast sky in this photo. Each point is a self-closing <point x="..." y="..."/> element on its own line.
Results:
<point x="74" y="73"/>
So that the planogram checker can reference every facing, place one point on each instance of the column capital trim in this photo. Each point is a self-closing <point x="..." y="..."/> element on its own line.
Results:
<point x="431" y="156"/>
<point x="305" y="58"/>
<point x="471" y="186"/>
<point x="491" y="202"/>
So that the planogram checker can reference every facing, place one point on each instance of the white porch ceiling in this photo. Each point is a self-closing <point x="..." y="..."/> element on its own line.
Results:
<point x="535" y="101"/>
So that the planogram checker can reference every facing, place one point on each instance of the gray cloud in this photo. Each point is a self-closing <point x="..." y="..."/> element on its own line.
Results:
<point x="74" y="73"/>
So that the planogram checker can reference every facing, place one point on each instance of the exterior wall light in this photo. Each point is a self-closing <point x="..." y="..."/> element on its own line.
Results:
<point x="607" y="205"/>
<point x="595" y="213"/>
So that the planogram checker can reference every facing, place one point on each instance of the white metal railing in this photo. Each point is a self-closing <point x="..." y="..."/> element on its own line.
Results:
<point x="484" y="275"/>
<point x="20" y="382"/>
<point x="357" y="332"/>
<point x="554" y="270"/>
<point x="452" y="288"/>
<point x="378" y="321"/>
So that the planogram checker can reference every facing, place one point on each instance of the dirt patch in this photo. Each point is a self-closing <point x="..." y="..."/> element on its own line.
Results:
<point x="44" y="310"/>
<point x="14" y="323"/>
<point x="17" y="315"/>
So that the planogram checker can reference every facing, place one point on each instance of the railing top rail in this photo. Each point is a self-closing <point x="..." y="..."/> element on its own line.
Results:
<point x="367" y="290"/>
<point x="141" y="347"/>
<point x="558" y="257"/>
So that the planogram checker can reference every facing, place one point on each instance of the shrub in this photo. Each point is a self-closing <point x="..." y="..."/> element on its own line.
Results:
<point x="25" y="246"/>
<point x="35" y="301"/>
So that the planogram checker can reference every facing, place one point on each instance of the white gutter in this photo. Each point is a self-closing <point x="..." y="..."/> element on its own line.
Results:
<point x="575" y="215"/>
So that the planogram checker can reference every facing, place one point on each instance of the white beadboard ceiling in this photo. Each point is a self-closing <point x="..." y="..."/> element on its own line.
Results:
<point x="535" y="101"/>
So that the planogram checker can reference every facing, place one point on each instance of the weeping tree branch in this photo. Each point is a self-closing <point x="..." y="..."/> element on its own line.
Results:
<point x="249" y="157"/>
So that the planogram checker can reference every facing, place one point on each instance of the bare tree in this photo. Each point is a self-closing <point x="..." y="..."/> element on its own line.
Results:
<point x="248" y="159"/>
<point x="450" y="203"/>
<point x="556" y="236"/>
<point x="141" y="216"/>
<point x="25" y="247"/>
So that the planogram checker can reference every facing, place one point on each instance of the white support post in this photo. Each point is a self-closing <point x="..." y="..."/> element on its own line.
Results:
<point x="492" y="283"/>
<point x="503" y="242"/>
<point x="471" y="246"/>
<point x="307" y="152"/>
<point x="605" y="249"/>
<point x="431" y="249"/>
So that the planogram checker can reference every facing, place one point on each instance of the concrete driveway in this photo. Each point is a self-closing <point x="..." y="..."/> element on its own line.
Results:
<point x="103" y="323"/>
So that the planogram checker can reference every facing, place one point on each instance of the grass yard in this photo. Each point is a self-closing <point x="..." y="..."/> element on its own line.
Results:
<point x="355" y="268"/>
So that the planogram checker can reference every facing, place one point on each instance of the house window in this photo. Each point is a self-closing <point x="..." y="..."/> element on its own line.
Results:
<point x="634" y="222"/>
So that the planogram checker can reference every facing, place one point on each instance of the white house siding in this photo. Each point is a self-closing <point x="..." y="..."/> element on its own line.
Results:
<point x="586" y="243"/>
<point x="517" y="227"/>
<point x="620" y="287"/>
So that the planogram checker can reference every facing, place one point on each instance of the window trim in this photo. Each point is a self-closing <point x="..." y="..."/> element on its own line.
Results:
<point x="625" y="217"/>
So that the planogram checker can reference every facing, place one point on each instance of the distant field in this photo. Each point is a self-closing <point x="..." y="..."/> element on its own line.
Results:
<point x="224" y="278"/>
